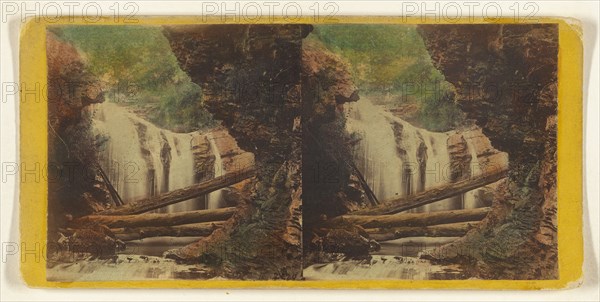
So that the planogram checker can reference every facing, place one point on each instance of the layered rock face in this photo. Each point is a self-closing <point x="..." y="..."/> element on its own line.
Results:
<point x="506" y="80"/>
<point x="472" y="153"/>
<point x="204" y="161"/>
<point x="250" y="76"/>
<point x="71" y="87"/>
<point x="74" y="185"/>
<point x="232" y="156"/>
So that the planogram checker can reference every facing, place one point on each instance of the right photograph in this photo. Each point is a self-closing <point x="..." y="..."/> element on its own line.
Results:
<point x="429" y="152"/>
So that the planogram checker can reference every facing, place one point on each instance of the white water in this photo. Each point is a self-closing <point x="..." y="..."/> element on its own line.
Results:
<point x="388" y="157"/>
<point x="384" y="176"/>
<point x="215" y="198"/>
<point x="470" y="200"/>
<point x="378" y="267"/>
<point x="142" y="160"/>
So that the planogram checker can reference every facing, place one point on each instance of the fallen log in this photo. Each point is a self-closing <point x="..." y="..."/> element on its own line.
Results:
<point x="175" y="196"/>
<point x="186" y="230"/>
<point x="363" y="182"/>
<point x="118" y="201"/>
<point x="410" y="219"/>
<point x="434" y="194"/>
<point x="155" y="219"/>
<point x="442" y="230"/>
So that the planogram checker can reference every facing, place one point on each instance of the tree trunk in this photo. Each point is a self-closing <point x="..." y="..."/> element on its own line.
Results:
<point x="411" y="219"/>
<point x="186" y="230"/>
<point x="117" y="200"/>
<point x="442" y="230"/>
<point x="155" y="220"/>
<point x="163" y="200"/>
<point x="434" y="194"/>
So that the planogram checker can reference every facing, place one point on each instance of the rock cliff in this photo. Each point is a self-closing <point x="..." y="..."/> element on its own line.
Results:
<point x="506" y="81"/>
<point x="75" y="188"/>
<point x="330" y="187"/>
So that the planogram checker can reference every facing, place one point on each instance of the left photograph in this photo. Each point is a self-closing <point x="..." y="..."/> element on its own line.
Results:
<point x="174" y="152"/>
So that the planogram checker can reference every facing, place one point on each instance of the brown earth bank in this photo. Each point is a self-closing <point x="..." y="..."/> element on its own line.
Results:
<point x="330" y="185"/>
<point x="75" y="186"/>
<point x="506" y="80"/>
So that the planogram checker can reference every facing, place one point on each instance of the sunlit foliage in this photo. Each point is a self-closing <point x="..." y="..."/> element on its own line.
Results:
<point x="390" y="64"/>
<point x="138" y="69"/>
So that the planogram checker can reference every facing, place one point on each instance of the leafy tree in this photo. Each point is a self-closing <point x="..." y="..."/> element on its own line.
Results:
<point x="392" y="60"/>
<point x="138" y="68"/>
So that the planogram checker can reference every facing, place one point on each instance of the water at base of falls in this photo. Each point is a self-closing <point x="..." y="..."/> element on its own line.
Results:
<point x="126" y="267"/>
<point x="215" y="198"/>
<point x="396" y="260"/>
<point x="383" y="267"/>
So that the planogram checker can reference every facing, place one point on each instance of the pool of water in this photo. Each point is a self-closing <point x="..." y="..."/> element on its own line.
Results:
<point x="382" y="267"/>
<point x="125" y="267"/>
<point x="141" y="260"/>
<point x="396" y="260"/>
<point x="156" y="246"/>
<point x="411" y="247"/>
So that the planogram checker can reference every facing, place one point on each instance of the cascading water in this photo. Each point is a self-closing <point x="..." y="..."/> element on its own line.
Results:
<point x="181" y="170"/>
<point x="398" y="159"/>
<point x="470" y="199"/>
<point x="377" y="157"/>
<point x="215" y="198"/>
<point x="142" y="160"/>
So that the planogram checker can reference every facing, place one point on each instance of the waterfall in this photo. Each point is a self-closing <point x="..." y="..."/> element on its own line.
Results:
<point x="182" y="170"/>
<point x="470" y="198"/>
<point x="142" y="160"/>
<point x="437" y="167"/>
<point x="215" y="197"/>
<point x="398" y="159"/>
<point x="377" y="157"/>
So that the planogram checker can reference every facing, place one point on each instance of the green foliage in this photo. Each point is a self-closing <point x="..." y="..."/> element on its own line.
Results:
<point x="181" y="107"/>
<point x="392" y="60"/>
<point x="377" y="53"/>
<point x="138" y="68"/>
<point x="439" y="113"/>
